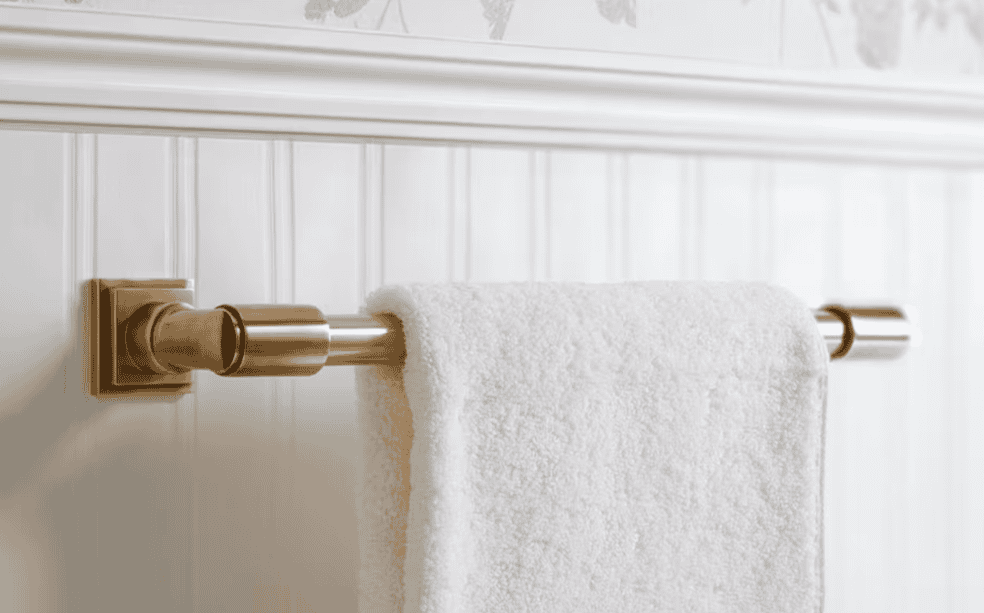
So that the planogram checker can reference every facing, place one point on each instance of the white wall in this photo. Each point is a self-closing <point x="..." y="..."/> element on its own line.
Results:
<point x="243" y="493"/>
<point x="241" y="496"/>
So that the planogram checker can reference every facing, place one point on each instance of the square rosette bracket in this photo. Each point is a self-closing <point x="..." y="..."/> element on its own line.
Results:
<point x="112" y="302"/>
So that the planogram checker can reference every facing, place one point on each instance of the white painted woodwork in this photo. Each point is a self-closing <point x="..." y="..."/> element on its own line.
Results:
<point x="417" y="213"/>
<point x="241" y="496"/>
<point x="578" y="232"/>
<point x="653" y="242"/>
<point x="499" y="233"/>
<point x="131" y="72"/>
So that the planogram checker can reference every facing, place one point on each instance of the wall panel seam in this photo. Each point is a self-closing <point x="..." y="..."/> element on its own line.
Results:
<point x="765" y="268"/>
<point x="372" y="218"/>
<point x="70" y="203"/>
<point x="956" y="358"/>
<point x="459" y="239"/>
<point x="615" y="212"/>
<point x="693" y="218"/>
<point x="171" y="204"/>
<point x="187" y="266"/>
<point x="84" y="234"/>
<point x="540" y="215"/>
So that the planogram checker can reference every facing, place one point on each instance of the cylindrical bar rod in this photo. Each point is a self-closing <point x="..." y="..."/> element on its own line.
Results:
<point x="256" y="340"/>
<point x="277" y="340"/>
<point x="853" y="333"/>
<point x="365" y="339"/>
<point x="864" y="332"/>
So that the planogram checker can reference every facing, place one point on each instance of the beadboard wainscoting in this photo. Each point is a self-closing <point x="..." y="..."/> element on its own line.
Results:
<point x="241" y="496"/>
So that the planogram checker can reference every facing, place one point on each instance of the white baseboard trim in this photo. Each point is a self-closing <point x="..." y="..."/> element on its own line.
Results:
<point x="70" y="69"/>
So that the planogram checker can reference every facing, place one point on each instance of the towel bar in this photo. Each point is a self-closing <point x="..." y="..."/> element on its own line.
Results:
<point x="146" y="338"/>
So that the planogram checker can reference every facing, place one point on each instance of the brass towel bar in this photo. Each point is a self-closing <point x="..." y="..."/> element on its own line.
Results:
<point x="146" y="338"/>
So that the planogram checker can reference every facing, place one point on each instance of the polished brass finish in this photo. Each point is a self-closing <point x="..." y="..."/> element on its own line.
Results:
<point x="864" y="332"/>
<point x="115" y="304"/>
<point x="275" y="340"/>
<point x="176" y="338"/>
<point x="365" y="339"/>
<point x="147" y="337"/>
<point x="878" y="333"/>
<point x="835" y="326"/>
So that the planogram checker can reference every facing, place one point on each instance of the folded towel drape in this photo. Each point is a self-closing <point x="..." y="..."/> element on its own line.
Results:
<point x="548" y="447"/>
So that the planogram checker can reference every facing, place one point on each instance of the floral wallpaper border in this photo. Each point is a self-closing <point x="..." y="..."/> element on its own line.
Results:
<point x="868" y="33"/>
<point x="496" y="12"/>
<point x="880" y="23"/>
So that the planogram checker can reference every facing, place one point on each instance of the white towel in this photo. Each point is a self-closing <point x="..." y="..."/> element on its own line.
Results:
<point x="569" y="448"/>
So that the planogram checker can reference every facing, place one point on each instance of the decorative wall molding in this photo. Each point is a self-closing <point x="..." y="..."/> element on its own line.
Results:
<point x="80" y="70"/>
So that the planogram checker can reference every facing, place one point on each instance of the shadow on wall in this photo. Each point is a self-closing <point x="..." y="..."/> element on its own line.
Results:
<point x="98" y="486"/>
<point x="104" y="505"/>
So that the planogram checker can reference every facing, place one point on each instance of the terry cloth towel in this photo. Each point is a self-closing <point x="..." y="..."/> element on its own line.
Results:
<point x="650" y="446"/>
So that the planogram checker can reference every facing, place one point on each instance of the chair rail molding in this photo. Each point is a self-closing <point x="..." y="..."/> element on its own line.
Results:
<point x="69" y="69"/>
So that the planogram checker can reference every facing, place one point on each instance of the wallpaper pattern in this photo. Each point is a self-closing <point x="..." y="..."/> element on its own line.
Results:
<point x="939" y="37"/>
<point x="496" y="12"/>
<point x="881" y="23"/>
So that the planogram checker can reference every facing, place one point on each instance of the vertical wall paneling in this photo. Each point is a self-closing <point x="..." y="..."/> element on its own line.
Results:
<point x="728" y="224"/>
<point x="915" y="186"/>
<point x="971" y="530"/>
<point x="74" y="302"/>
<point x="321" y="541"/>
<point x="183" y="178"/>
<point x="692" y="221"/>
<point x="71" y="289"/>
<point x="170" y="197"/>
<point x="540" y="215"/>
<point x="865" y="231"/>
<point x="578" y="205"/>
<point x="833" y="285"/>
<point x="893" y="393"/>
<point x="801" y="208"/>
<point x="459" y="248"/>
<point x="134" y="206"/>
<point x="501" y="223"/>
<point x="928" y="528"/>
<point x="282" y="189"/>
<point x="762" y="267"/>
<point x="34" y="355"/>
<point x="142" y="488"/>
<point x="329" y="192"/>
<point x="838" y="583"/>
<point x="234" y="218"/>
<point x="846" y="579"/>
<point x="416" y="214"/>
<point x="282" y="417"/>
<point x="142" y="476"/>
<point x="233" y="460"/>
<point x="898" y="230"/>
<point x="185" y="215"/>
<point x="653" y="217"/>
<point x="860" y="415"/>
<point x="86" y="180"/>
<point x="373" y="249"/>
<point x="617" y="203"/>
<point x="957" y="356"/>
<point x="83" y="588"/>
<point x="242" y="495"/>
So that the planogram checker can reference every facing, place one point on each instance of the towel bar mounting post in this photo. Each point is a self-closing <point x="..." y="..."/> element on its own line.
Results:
<point x="146" y="337"/>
